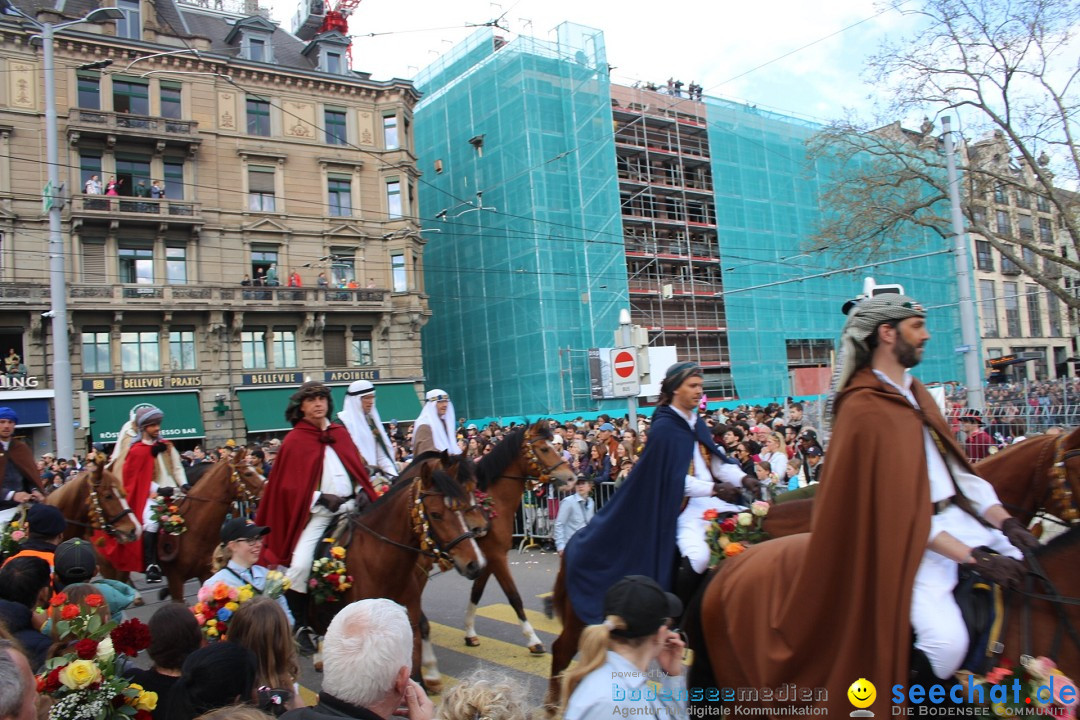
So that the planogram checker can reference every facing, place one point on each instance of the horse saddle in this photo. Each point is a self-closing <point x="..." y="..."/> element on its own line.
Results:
<point x="983" y="612"/>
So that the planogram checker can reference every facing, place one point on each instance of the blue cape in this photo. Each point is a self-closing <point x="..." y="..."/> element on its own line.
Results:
<point x="634" y="532"/>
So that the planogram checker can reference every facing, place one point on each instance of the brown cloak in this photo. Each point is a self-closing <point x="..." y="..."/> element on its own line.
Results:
<point x="20" y="453"/>
<point x="825" y="608"/>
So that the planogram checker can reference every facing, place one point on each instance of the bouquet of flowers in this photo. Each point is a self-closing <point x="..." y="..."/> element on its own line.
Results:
<point x="486" y="502"/>
<point x="216" y="606"/>
<point x="1036" y="684"/>
<point x="329" y="576"/>
<point x="12" y="534"/>
<point x="167" y="514"/>
<point x="731" y="536"/>
<point x="86" y="683"/>
<point x="275" y="585"/>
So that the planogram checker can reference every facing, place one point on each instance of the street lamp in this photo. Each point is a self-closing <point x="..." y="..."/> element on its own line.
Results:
<point x="64" y="412"/>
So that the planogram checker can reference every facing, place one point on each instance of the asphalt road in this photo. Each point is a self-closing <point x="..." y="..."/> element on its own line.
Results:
<point x="502" y="647"/>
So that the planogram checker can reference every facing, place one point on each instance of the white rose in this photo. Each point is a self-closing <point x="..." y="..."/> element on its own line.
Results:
<point x="105" y="650"/>
<point x="745" y="519"/>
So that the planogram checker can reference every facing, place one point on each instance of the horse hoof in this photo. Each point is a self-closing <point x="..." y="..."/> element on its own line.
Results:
<point x="472" y="642"/>
<point x="433" y="686"/>
<point x="537" y="649"/>
<point x="138" y="601"/>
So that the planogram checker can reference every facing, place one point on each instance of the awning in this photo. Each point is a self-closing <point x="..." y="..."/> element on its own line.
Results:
<point x="183" y="416"/>
<point x="32" y="411"/>
<point x="264" y="408"/>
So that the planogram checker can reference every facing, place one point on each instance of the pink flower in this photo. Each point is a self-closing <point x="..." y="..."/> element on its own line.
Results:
<point x="1061" y="683"/>
<point x="998" y="675"/>
<point x="18" y="535"/>
<point x="205" y="595"/>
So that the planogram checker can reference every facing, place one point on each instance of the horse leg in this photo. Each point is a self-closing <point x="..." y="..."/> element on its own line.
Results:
<point x="565" y="646"/>
<point x="501" y="568"/>
<point x="429" y="664"/>
<point x="471" y="638"/>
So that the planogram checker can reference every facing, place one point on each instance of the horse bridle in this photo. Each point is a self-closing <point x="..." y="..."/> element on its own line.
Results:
<point x="1060" y="491"/>
<point x="538" y="471"/>
<point x="98" y="521"/>
<point x="241" y="493"/>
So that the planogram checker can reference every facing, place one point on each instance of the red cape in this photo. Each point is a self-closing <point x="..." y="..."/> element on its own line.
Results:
<point x="297" y="473"/>
<point x="138" y="474"/>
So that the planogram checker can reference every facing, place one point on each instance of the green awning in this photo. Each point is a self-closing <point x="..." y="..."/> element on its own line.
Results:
<point x="264" y="408"/>
<point x="183" y="416"/>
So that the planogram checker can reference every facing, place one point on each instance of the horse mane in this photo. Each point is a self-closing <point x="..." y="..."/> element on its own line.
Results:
<point x="443" y="481"/>
<point x="1062" y="542"/>
<point x="491" y="467"/>
<point x="60" y="495"/>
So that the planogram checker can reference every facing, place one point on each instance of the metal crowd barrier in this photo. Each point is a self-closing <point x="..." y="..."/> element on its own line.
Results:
<point x="534" y="523"/>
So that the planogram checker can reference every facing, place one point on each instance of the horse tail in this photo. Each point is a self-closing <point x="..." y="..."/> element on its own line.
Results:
<point x="701" y="671"/>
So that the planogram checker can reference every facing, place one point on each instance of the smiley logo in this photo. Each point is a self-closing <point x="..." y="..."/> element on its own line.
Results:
<point x="862" y="693"/>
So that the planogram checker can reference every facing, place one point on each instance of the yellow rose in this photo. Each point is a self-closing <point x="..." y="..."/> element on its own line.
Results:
<point x="146" y="701"/>
<point x="338" y="552"/>
<point x="723" y="541"/>
<point x="80" y="674"/>
<point x="245" y="593"/>
<point x="233" y="606"/>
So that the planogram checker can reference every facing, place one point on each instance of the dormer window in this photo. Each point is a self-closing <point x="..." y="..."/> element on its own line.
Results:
<point x="254" y="37"/>
<point x="332" y="62"/>
<point x="328" y="52"/>
<point x="256" y="50"/>
<point x="131" y="26"/>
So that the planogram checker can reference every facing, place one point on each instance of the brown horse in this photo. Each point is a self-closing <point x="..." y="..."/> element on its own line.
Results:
<point x="421" y="520"/>
<point x="95" y="500"/>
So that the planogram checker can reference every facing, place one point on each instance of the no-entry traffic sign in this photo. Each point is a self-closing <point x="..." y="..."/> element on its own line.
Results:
<point x="624" y="363"/>
<point x="624" y="376"/>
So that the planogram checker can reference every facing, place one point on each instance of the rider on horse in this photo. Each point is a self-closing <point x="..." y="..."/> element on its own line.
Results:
<point x="147" y="464"/>
<point x="314" y="481"/>
<point x="20" y="480"/>
<point x="434" y="428"/>
<point x="362" y="419"/>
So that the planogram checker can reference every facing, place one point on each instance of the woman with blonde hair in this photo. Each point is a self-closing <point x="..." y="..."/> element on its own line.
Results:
<point x="617" y="657"/>
<point x="260" y="625"/>
<point x="775" y="453"/>
<point x="484" y="695"/>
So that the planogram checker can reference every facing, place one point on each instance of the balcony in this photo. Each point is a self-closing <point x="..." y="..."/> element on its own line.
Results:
<point x="108" y="125"/>
<point x="147" y="210"/>
<point x="24" y="294"/>
<point x="227" y="297"/>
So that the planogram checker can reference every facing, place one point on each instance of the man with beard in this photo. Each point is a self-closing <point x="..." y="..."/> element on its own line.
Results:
<point x="899" y="510"/>
<point x="20" y="480"/>
<point x="434" y="428"/>
<point x="362" y="419"/>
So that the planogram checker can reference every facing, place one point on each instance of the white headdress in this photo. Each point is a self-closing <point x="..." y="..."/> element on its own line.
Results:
<point x="442" y="429"/>
<point x="352" y="415"/>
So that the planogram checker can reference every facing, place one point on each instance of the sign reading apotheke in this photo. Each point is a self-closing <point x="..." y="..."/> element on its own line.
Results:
<point x="274" y="378"/>
<point x="337" y="376"/>
<point x="142" y="382"/>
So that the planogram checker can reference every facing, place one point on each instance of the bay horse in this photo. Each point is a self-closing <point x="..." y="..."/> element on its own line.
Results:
<point x="429" y="515"/>
<point x="94" y="500"/>
<point x="1040" y="473"/>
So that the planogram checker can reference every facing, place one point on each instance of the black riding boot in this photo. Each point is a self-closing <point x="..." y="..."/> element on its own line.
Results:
<point x="305" y="636"/>
<point x="150" y="557"/>
<point x="687" y="581"/>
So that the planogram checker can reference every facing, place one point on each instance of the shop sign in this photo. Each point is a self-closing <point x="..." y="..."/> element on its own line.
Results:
<point x="338" y="376"/>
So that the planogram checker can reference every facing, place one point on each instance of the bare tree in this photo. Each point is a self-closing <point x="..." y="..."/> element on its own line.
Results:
<point x="1007" y="69"/>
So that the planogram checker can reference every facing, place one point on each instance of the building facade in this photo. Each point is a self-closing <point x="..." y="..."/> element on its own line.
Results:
<point x="261" y="232"/>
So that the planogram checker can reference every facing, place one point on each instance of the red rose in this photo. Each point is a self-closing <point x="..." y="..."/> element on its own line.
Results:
<point x="332" y="578"/>
<point x="728" y="525"/>
<point x="143" y="715"/>
<point x="711" y="514"/>
<point x="51" y="682"/>
<point x="58" y="599"/>
<point x="94" y="600"/>
<point x="70" y="612"/>
<point x="130" y="636"/>
<point x="86" y="649"/>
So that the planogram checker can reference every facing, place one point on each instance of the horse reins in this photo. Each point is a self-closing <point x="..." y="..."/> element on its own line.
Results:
<point x="98" y="520"/>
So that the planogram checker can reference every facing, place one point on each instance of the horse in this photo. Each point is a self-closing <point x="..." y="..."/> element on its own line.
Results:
<point x="1030" y="475"/>
<point x="422" y="519"/>
<point x="94" y="500"/>
<point x="204" y="509"/>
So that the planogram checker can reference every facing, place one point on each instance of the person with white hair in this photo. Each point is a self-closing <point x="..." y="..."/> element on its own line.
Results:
<point x="365" y="426"/>
<point x="18" y="689"/>
<point x="367" y="658"/>
<point x="434" y="429"/>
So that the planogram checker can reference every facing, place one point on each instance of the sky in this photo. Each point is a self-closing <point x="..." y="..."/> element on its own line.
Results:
<point x="750" y="52"/>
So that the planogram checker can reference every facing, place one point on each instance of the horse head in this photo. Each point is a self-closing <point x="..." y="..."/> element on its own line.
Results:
<point x="1042" y="472"/>
<point x="442" y="502"/>
<point x="247" y="482"/>
<point x="107" y="503"/>
<point x="545" y="462"/>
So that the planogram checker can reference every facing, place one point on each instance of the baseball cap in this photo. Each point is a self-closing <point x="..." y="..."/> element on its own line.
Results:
<point x="606" y="426"/>
<point x="74" y="561"/>
<point x="45" y="520"/>
<point x="642" y="604"/>
<point x="808" y="435"/>
<point x="241" y="529"/>
<point x="557" y="440"/>
<point x="814" y="451"/>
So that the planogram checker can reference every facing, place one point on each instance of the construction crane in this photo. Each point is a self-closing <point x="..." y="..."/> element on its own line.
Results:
<point x="337" y="18"/>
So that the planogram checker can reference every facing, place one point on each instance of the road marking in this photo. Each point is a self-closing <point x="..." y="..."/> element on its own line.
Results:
<point x="509" y="655"/>
<point x="506" y="614"/>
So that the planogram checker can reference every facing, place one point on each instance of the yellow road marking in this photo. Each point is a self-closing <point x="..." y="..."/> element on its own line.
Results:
<point x="505" y="613"/>
<point x="310" y="697"/>
<point x="491" y="650"/>
<point x="549" y="593"/>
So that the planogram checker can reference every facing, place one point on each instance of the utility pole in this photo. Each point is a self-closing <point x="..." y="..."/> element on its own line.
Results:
<point x="969" y="334"/>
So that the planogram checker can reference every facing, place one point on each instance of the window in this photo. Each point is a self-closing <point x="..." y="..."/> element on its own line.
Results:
<point x="1029" y="257"/>
<point x="332" y="62"/>
<point x="389" y="129"/>
<point x="89" y="166"/>
<point x="1008" y="267"/>
<point x="253" y="349"/>
<point x="1012" y="309"/>
<point x="261" y="188"/>
<point x="1027" y="230"/>
<point x="170" y="100"/>
<point x="139" y="351"/>
<point x="393" y="199"/>
<point x="1053" y="312"/>
<point x="258" y="117"/>
<point x="132" y="169"/>
<point x="257" y="50"/>
<point x="176" y="265"/>
<point x="1046" y="230"/>
<point x="182" y="349"/>
<point x="95" y="352"/>
<point x="978" y="215"/>
<point x="1000" y="195"/>
<point x="136" y="265"/>
<point x="174" y="178"/>
<point x="336" y="131"/>
<point x="261" y="260"/>
<point x="334" y="347"/>
<point x="1034" y="311"/>
<point x="1023" y="199"/>
<point x="339" y="192"/>
<point x="131" y="96"/>
<point x="284" y="348"/>
<point x="361" y="347"/>
<point x="1003" y="228"/>
<point x="984" y="258"/>
<point x="131" y="26"/>
<point x="342" y="266"/>
<point x="89" y="91"/>
<point x="399" y="273"/>
<point x="1042" y="203"/>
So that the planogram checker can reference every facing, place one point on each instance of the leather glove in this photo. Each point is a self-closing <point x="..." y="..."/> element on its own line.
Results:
<point x="1005" y="571"/>
<point x="166" y="492"/>
<point x="1020" y="537"/>
<point x="752" y="485"/>
<point x="158" y="447"/>
<point x="330" y="502"/>
<point x="726" y="492"/>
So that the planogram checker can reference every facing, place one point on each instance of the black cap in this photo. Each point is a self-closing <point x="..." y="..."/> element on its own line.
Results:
<point x="74" y="561"/>
<point x="241" y="529"/>
<point x="45" y="520"/>
<point x="642" y="603"/>
<point x="814" y="451"/>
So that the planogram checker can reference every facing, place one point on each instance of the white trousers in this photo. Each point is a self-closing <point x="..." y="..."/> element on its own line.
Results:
<point x="8" y="515"/>
<point x="935" y="616"/>
<point x="304" y="553"/>
<point x="691" y="528"/>
<point x="148" y="525"/>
